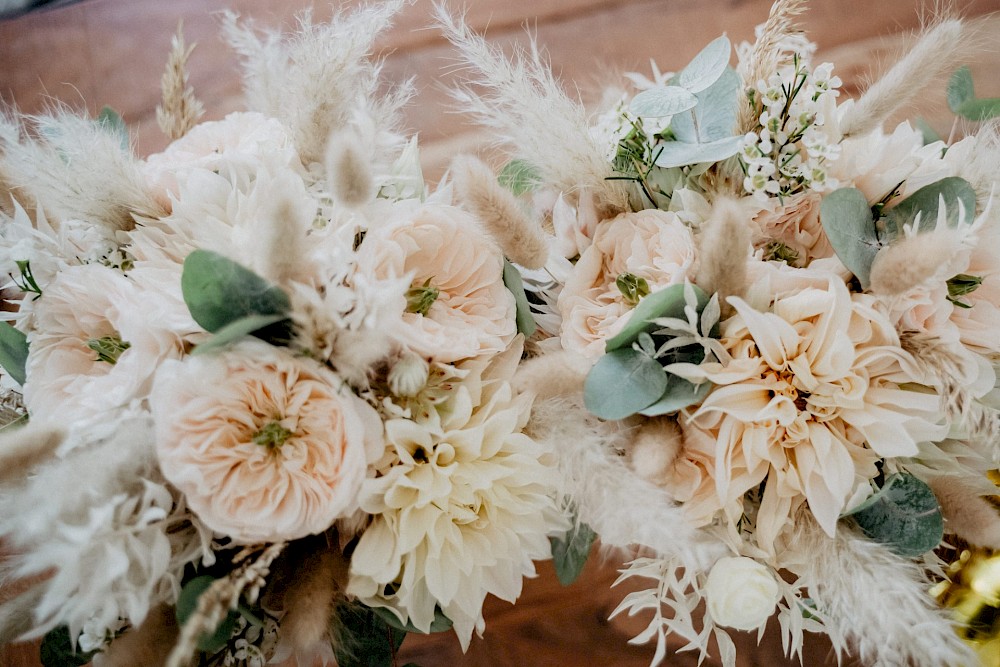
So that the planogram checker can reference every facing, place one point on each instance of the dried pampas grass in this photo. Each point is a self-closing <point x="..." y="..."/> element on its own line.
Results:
<point x="936" y="53"/>
<point x="873" y="599"/>
<point x="523" y="102"/>
<point x="16" y="614"/>
<point x="179" y="109"/>
<point x="477" y="188"/>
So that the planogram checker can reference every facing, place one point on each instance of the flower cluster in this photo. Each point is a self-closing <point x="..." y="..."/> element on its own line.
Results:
<point x="278" y="369"/>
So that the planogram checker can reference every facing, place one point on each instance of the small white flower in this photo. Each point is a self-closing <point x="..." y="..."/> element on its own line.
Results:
<point x="408" y="375"/>
<point x="741" y="593"/>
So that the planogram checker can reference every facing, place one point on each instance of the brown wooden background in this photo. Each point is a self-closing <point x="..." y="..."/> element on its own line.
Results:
<point x="111" y="52"/>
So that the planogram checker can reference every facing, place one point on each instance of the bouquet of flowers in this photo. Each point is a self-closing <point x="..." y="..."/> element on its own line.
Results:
<point x="768" y="333"/>
<point x="269" y="376"/>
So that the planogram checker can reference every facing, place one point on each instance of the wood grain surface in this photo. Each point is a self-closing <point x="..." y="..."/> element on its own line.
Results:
<point x="112" y="52"/>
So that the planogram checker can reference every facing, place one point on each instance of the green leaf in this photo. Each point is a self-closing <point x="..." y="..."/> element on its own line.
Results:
<point x="367" y="640"/>
<point x="662" y="101"/>
<point x="519" y="176"/>
<point x="706" y="67"/>
<point x="570" y="552"/>
<point x="679" y="394"/>
<point x="512" y="279"/>
<point x="439" y="624"/>
<point x="980" y="109"/>
<point x="926" y="201"/>
<point x="113" y="123"/>
<point x="930" y="135"/>
<point x="13" y="352"/>
<point x="667" y="302"/>
<point x="622" y="383"/>
<point x="904" y="515"/>
<point x="714" y="118"/>
<point x="234" y="331"/>
<point x="679" y="153"/>
<point x="848" y="223"/>
<point x="57" y="650"/>
<point x="960" y="88"/>
<point x="218" y="292"/>
<point x="187" y="603"/>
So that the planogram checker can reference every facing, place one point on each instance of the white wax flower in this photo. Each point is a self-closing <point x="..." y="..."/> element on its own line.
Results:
<point x="741" y="593"/>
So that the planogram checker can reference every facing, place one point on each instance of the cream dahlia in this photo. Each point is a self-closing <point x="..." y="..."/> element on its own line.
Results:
<point x="264" y="446"/>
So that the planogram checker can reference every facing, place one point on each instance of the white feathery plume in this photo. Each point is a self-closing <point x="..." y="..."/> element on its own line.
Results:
<point x="967" y="513"/>
<point x="77" y="170"/>
<point x="873" y="599"/>
<point x="316" y="80"/>
<point x="15" y="614"/>
<point x="477" y="188"/>
<point x="936" y="53"/>
<point x="523" y="102"/>
<point x="626" y="510"/>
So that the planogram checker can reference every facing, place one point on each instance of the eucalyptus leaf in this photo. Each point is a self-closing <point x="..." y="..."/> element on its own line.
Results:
<point x="13" y="352"/>
<point x="622" y="383"/>
<point x="662" y="101"/>
<point x="679" y="153"/>
<point x="520" y="177"/>
<point x="439" y="624"/>
<point x="570" y="552"/>
<point x="847" y="220"/>
<point x="904" y="515"/>
<point x="714" y="118"/>
<point x="929" y="134"/>
<point x="512" y="279"/>
<point x="679" y="394"/>
<point x="187" y="603"/>
<point x="667" y="302"/>
<point x="236" y="330"/>
<point x="960" y="88"/>
<point x="706" y="67"/>
<point x="927" y="200"/>
<point x="218" y="292"/>
<point x="112" y="122"/>
<point x="980" y="109"/>
<point x="57" y="650"/>
<point x="366" y="639"/>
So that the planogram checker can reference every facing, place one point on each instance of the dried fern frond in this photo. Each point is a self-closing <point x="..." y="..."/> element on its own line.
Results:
<point x="179" y="110"/>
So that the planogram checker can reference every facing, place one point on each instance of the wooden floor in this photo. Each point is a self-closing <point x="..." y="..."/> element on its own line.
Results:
<point x="111" y="52"/>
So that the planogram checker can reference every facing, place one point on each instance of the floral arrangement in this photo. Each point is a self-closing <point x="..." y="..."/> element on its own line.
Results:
<point x="768" y="334"/>
<point x="269" y="376"/>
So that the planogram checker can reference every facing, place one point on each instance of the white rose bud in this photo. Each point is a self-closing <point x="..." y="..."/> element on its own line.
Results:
<point x="408" y="375"/>
<point x="741" y="593"/>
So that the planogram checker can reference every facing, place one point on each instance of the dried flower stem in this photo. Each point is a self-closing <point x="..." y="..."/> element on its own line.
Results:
<point x="180" y="109"/>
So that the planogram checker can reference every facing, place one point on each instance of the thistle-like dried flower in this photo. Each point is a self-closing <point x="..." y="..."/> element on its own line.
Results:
<point x="179" y="110"/>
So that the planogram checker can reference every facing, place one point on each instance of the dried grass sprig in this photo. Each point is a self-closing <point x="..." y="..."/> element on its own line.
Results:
<point x="533" y="116"/>
<point x="767" y="55"/>
<point x="936" y="53"/>
<point x="179" y="109"/>
<point x="477" y="188"/>
<point x="223" y="596"/>
<point x="874" y="600"/>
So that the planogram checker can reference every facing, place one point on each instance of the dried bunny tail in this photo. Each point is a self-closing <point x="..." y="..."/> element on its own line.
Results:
<point x="179" y="110"/>
<point x="766" y="55"/>
<point x="936" y="53"/>
<point x="724" y="246"/>
<point x="553" y="375"/>
<point x="311" y="599"/>
<point x="348" y="169"/>
<point x="77" y="169"/>
<point x="874" y="599"/>
<point x="22" y="448"/>
<point x="625" y="510"/>
<point x="220" y="598"/>
<point x="521" y="99"/>
<point x="316" y="80"/>
<point x="147" y="645"/>
<point x="951" y="372"/>
<point x="477" y="188"/>
<point x="967" y="513"/>
<point x="16" y="617"/>
<point x="914" y="260"/>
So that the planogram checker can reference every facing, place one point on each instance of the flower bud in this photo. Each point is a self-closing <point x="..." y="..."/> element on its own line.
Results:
<point x="408" y="375"/>
<point x="741" y="593"/>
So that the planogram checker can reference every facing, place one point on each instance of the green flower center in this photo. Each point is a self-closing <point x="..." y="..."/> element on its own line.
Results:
<point x="420" y="298"/>
<point x="108" y="348"/>
<point x="272" y="436"/>
<point x="632" y="287"/>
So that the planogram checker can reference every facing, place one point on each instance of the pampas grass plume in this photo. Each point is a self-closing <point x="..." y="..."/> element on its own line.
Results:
<point x="22" y="448"/>
<point x="724" y="245"/>
<point x="348" y="170"/>
<point x="521" y="239"/>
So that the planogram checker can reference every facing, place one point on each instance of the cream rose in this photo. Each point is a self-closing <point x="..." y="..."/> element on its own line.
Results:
<point x="264" y="446"/>
<point x="653" y="245"/>
<point x="458" y="306"/>
<point x="741" y="593"/>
